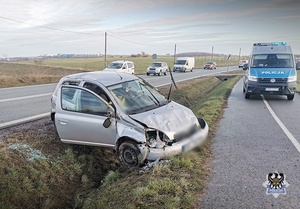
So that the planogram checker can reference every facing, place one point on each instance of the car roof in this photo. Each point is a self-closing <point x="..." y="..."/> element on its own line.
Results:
<point x="106" y="78"/>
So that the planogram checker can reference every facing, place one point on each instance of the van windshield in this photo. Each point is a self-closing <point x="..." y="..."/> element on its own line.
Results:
<point x="272" y="61"/>
<point x="180" y="62"/>
<point x="137" y="96"/>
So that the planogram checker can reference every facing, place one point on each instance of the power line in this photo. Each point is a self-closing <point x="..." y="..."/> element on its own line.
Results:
<point x="49" y="28"/>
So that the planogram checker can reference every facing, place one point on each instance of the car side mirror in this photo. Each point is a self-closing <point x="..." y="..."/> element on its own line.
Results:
<point x="106" y="123"/>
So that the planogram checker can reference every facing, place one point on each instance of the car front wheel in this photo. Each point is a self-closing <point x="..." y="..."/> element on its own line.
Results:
<point x="290" y="96"/>
<point x="129" y="154"/>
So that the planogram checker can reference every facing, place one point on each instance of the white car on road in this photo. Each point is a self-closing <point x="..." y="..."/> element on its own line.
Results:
<point x="158" y="68"/>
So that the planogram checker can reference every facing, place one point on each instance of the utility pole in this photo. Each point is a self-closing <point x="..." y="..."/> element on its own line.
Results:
<point x="174" y="53"/>
<point x="212" y="53"/>
<point x="105" y="50"/>
<point x="240" y="54"/>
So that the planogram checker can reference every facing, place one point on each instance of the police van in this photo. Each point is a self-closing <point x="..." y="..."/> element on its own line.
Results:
<point x="271" y="70"/>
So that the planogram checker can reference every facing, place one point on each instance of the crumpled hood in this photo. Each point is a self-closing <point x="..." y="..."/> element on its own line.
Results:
<point x="170" y="119"/>
<point x="272" y="72"/>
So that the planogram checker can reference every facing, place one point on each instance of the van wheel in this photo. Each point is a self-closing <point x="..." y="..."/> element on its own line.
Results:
<point x="290" y="96"/>
<point x="247" y="96"/>
<point x="165" y="73"/>
<point x="129" y="154"/>
<point x="148" y="74"/>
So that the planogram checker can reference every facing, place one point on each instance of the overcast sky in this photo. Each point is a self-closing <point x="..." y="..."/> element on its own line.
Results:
<point x="36" y="27"/>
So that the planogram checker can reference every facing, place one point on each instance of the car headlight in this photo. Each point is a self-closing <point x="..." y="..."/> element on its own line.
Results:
<point x="292" y="78"/>
<point x="156" y="139"/>
<point x="252" y="78"/>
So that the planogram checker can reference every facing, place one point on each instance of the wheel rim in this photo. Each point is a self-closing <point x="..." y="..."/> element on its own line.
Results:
<point x="129" y="156"/>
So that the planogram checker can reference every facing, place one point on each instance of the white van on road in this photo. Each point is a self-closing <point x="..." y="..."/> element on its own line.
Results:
<point x="184" y="64"/>
<point x="121" y="66"/>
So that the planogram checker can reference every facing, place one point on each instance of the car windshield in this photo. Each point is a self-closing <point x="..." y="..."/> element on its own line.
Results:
<point x="115" y="65"/>
<point x="180" y="62"/>
<point x="272" y="61"/>
<point x="137" y="96"/>
<point x="209" y="63"/>
<point x="156" y="64"/>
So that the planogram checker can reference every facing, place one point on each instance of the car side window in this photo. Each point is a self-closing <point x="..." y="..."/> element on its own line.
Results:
<point x="95" y="88"/>
<point x="83" y="102"/>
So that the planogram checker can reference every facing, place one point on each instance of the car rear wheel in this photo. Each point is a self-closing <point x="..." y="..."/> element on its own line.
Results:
<point x="129" y="154"/>
<point x="148" y="74"/>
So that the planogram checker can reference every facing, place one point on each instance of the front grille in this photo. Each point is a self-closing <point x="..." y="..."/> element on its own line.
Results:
<point x="268" y="80"/>
<point x="185" y="134"/>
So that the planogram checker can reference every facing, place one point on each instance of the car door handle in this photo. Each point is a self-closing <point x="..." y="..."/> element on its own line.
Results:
<point x="63" y="122"/>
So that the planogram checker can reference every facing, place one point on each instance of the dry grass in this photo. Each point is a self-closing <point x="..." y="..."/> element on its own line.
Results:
<point x="12" y="74"/>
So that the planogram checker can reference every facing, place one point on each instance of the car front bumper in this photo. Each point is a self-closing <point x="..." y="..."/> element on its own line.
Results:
<point x="180" y="147"/>
<point x="272" y="89"/>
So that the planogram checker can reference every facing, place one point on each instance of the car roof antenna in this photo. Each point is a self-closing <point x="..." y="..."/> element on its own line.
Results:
<point x="173" y="82"/>
<point x="119" y="75"/>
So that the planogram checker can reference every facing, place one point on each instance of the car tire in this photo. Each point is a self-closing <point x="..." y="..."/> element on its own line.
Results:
<point x="290" y="96"/>
<point x="129" y="154"/>
<point x="148" y="74"/>
<point x="165" y="73"/>
<point x="244" y="90"/>
<point x="159" y="74"/>
<point x="247" y="96"/>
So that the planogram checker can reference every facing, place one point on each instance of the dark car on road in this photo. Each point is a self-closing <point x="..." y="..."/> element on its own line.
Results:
<point x="210" y="65"/>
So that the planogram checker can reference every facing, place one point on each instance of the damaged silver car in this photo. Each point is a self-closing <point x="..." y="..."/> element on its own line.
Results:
<point x="126" y="113"/>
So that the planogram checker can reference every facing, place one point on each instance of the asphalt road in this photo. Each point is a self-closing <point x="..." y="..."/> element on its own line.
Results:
<point x="254" y="138"/>
<point x="22" y="104"/>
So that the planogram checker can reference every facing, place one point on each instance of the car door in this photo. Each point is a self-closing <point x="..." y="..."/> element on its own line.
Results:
<point x="80" y="120"/>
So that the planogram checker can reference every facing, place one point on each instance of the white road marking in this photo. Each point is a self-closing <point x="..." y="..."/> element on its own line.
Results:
<point x="23" y="120"/>
<point x="31" y="86"/>
<point x="25" y="97"/>
<point x="282" y="126"/>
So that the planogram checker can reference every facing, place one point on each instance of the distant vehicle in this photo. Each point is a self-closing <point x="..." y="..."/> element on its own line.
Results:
<point x="245" y="66"/>
<point x="126" y="113"/>
<point x="210" y="65"/>
<point x="298" y="65"/>
<point x="184" y="64"/>
<point x="121" y="66"/>
<point x="271" y="70"/>
<point x="158" y="68"/>
<point x="242" y="62"/>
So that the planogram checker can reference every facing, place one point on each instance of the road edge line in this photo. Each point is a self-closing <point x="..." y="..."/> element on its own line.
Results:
<point x="282" y="126"/>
